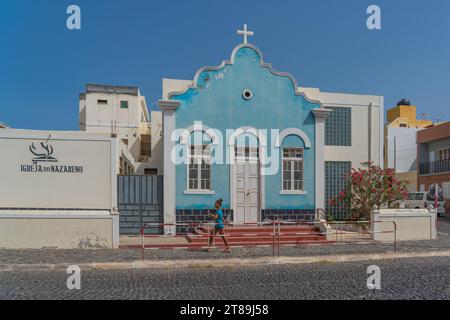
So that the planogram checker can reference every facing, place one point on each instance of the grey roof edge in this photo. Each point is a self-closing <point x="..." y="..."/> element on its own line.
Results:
<point x="111" y="89"/>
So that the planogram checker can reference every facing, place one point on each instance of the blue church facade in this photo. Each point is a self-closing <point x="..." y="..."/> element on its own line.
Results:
<point x="242" y="132"/>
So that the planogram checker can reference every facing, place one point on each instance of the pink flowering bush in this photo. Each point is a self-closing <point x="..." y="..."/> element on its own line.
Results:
<point x="367" y="187"/>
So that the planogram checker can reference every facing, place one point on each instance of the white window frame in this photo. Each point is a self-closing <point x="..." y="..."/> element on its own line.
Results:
<point x="292" y="160"/>
<point x="199" y="159"/>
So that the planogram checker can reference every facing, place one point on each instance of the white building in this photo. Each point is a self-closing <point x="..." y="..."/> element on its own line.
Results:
<point x="353" y="135"/>
<point x="401" y="154"/>
<point x="400" y="136"/>
<point x="354" y="130"/>
<point x="122" y="112"/>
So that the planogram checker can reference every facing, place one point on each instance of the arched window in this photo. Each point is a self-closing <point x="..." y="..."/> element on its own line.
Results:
<point x="293" y="177"/>
<point x="293" y="143"/>
<point x="199" y="163"/>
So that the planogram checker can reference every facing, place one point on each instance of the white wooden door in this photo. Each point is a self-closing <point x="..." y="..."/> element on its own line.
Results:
<point x="247" y="188"/>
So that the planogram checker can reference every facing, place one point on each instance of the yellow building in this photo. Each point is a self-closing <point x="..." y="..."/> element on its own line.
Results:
<point x="404" y="115"/>
<point x="400" y="149"/>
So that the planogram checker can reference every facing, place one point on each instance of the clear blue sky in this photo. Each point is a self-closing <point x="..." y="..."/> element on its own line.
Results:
<point x="323" y="43"/>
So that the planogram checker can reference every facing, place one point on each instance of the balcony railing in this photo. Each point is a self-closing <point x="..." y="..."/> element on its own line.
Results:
<point x="435" y="167"/>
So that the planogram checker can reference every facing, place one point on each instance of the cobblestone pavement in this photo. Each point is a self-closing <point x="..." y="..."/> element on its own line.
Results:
<point x="424" y="278"/>
<point x="122" y="255"/>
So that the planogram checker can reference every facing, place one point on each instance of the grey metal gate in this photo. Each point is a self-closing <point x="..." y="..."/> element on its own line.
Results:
<point x="140" y="200"/>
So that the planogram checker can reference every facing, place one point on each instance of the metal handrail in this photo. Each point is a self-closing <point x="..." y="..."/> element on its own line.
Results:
<point x="276" y="231"/>
<point x="209" y="235"/>
<point x="339" y="231"/>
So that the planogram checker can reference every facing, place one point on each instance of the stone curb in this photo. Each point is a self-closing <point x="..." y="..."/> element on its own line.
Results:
<point x="221" y="263"/>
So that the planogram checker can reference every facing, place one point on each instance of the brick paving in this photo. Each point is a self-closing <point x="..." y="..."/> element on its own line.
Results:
<point x="122" y="255"/>
<point x="416" y="278"/>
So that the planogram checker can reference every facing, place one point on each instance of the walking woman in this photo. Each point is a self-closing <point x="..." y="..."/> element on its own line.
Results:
<point x="219" y="226"/>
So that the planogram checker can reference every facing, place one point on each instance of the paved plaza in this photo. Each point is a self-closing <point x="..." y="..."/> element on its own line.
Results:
<point x="406" y="278"/>
<point x="424" y="278"/>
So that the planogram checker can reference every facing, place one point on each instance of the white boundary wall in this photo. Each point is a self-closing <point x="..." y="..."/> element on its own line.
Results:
<point x="412" y="224"/>
<point x="58" y="190"/>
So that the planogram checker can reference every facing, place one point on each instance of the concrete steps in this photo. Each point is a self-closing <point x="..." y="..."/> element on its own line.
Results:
<point x="239" y="236"/>
<point x="220" y="244"/>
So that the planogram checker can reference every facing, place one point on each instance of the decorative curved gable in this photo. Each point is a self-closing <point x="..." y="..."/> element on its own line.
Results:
<point x="268" y="66"/>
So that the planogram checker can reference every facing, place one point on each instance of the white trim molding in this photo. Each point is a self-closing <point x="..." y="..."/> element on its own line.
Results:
<point x="321" y="113"/>
<point x="199" y="192"/>
<point x="381" y="133"/>
<point x="320" y="116"/>
<point x="292" y="192"/>
<point x="169" y="108"/>
<point x="268" y="66"/>
<point x="184" y="137"/>
<point x="232" y="160"/>
<point x="296" y="132"/>
<point x="184" y="140"/>
<point x="168" y="105"/>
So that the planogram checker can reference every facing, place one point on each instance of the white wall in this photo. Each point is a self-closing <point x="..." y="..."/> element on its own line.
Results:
<point x="91" y="188"/>
<point x="113" y="119"/>
<point x="64" y="230"/>
<point x="101" y="116"/>
<point x="69" y="202"/>
<point x="411" y="224"/>
<point x="156" y="159"/>
<point x="366" y="109"/>
<point x="405" y="151"/>
<point x="174" y="85"/>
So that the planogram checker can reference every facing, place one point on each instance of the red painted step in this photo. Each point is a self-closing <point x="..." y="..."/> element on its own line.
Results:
<point x="282" y="243"/>
<point x="264" y="229"/>
<point x="244" y="229"/>
<point x="196" y="246"/>
<point x="248" y="235"/>
<point x="199" y="233"/>
<point x="259" y="239"/>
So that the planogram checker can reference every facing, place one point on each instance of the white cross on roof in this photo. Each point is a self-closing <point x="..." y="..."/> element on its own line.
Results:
<point x="245" y="33"/>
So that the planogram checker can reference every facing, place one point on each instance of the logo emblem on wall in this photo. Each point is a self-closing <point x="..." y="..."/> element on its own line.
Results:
<point x="45" y="162"/>
<point x="43" y="153"/>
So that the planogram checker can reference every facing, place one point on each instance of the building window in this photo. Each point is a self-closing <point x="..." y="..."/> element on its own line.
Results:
<point x="338" y="127"/>
<point x="335" y="182"/>
<point x="146" y="145"/>
<point x="293" y="169"/>
<point x="444" y="154"/>
<point x="102" y="102"/>
<point x="123" y="104"/>
<point x="125" y="141"/>
<point x="199" y="168"/>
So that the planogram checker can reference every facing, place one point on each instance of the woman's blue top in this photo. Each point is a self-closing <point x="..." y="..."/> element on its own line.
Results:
<point x="219" y="219"/>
